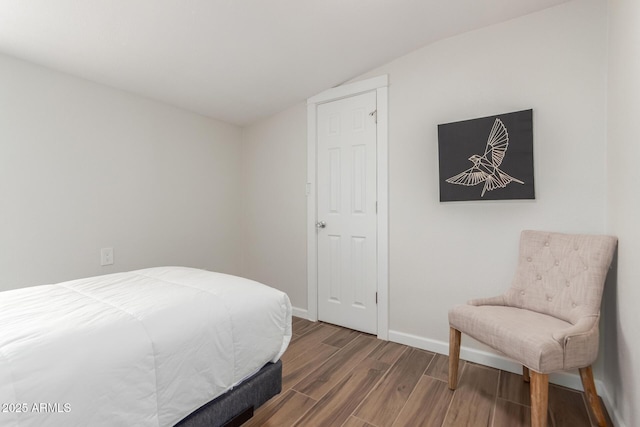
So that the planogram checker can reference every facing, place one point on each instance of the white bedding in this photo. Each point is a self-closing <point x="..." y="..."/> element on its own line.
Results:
<point x="143" y="348"/>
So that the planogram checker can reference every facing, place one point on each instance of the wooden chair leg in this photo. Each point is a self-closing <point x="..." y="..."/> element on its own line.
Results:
<point x="586" y="374"/>
<point x="454" y="356"/>
<point x="539" y="399"/>
<point x="525" y="374"/>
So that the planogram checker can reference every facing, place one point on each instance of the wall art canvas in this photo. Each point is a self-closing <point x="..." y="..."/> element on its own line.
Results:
<point x="490" y="158"/>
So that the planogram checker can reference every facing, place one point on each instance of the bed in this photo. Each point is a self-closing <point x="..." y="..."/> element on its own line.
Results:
<point x="155" y="347"/>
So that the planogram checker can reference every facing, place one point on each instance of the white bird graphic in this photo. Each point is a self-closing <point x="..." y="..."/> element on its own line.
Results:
<point x="485" y="168"/>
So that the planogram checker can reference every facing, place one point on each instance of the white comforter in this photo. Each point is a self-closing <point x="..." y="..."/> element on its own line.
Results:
<point x="143" y="348"/>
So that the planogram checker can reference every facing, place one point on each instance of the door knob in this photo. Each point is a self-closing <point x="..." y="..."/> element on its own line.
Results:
<point x="321" y="224"/>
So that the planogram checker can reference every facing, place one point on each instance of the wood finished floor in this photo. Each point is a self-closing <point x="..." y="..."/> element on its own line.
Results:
<point x="334" y="376"/>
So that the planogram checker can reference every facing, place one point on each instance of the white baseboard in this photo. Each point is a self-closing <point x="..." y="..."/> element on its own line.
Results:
<point x="300" y="312"/>
<point x="497" y="361"/>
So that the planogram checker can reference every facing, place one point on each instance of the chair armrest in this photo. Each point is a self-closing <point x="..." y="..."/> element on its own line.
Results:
<point x="584" y="326"/>
<point x="580" y="342"/>
<point x="499" y="300"/>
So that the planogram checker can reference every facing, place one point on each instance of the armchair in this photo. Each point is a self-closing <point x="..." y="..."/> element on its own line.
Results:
<point x="548" y="319"/>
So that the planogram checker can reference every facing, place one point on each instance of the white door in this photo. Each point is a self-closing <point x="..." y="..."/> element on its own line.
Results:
<point x="346" y="212"/>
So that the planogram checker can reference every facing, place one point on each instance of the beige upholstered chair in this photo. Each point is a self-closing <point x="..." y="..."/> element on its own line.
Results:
<point x="548" y="319"/>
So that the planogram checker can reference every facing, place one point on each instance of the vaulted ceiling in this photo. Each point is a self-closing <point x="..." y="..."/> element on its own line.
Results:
<point x="234" y="60"/>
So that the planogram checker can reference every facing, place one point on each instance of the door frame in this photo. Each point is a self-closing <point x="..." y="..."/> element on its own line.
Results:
<point x="380" y="85"/>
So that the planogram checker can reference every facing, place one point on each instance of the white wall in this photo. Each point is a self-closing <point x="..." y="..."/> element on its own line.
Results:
<point x="622" y="342"/>
<point x="442" y="254"/>
<point x="274" y="203"/>
<point x="83" y="166"/>
<point x="553" y="61"/>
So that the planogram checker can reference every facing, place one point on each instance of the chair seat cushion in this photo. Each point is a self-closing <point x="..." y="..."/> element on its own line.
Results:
<point x="523" y="335"/>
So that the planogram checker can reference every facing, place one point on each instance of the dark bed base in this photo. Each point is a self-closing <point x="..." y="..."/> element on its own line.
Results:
<point x="236" y="406"/>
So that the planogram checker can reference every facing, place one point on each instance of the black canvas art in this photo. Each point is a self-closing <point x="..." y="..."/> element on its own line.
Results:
<point x="490" y="158"/>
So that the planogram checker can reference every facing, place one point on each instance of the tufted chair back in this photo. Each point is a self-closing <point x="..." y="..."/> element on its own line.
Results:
<point x="561" y="275"/>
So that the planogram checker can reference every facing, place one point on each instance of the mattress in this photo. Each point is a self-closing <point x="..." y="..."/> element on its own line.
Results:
<point x="142" y="348"/>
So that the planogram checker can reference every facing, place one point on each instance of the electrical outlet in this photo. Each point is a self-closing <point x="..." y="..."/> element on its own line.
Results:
<point x="106" y="256"/>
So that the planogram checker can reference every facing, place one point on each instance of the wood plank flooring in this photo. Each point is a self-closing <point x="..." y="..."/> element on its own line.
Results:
<point x="334" y="376"/>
